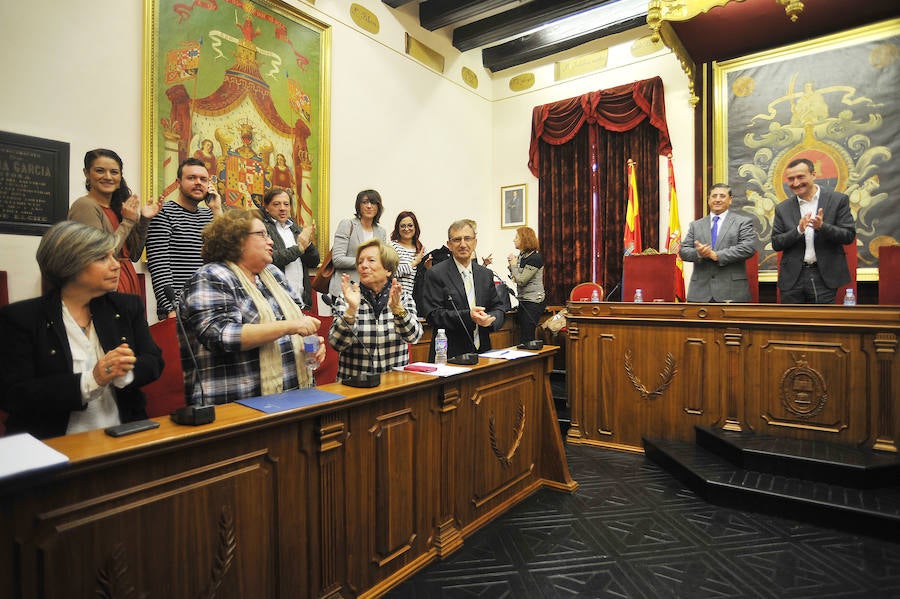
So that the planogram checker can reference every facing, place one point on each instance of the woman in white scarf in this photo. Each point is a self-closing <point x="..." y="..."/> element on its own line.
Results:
<point x="242" y="317"/>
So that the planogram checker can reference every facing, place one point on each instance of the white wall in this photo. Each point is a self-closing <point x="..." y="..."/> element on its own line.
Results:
<point x="73" y="72"/>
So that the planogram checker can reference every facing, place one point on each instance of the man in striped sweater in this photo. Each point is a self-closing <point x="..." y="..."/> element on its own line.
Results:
<point x="173" y="238"/>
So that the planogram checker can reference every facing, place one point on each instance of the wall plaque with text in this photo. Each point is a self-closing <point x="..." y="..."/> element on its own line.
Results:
<point x="34" y="183"/>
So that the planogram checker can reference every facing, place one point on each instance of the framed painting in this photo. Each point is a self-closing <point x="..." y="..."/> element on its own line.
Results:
<point x="243" y="85"/>
<point x="832" y="100"/>
<point x="513" y="206"/>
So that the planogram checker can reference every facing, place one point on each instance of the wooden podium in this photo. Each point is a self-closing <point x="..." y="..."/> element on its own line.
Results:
<point x="653" y="274"/>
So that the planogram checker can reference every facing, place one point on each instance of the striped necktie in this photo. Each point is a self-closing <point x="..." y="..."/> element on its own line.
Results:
<point x="715" y="230"/>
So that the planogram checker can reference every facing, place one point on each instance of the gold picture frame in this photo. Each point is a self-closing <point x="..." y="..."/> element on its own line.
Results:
<point x="514" y="206"/>
<point x="245" y="87"/>
<point x="830" y="99"/>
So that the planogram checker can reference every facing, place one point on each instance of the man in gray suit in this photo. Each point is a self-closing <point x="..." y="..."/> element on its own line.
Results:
<point x="810" y="230"/>
<point x="719" y="244"/>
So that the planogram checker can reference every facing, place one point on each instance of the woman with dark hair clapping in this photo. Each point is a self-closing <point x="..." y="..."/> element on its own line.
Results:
<point x="110" y="206"/>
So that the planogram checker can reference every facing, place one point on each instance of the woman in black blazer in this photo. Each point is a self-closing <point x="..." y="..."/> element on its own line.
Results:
<point x="75" y="359"/>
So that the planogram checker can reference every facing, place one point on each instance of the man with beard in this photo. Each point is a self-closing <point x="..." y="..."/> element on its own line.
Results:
<point x="173" y="238"/>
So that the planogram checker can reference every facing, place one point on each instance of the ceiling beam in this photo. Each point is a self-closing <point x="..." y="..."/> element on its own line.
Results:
<point x="396" y="3"/>
<point x="549" y="41"/>
<point x="517" y="21"/>
<point x="435" y="14"/>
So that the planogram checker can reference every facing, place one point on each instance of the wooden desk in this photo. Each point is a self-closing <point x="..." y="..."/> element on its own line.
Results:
<point x="343" y="499"/>
<point x="805" y="372"/>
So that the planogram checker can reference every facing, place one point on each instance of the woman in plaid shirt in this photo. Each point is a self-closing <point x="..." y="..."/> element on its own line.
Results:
<point x="242" y="317"/>
<point x="380" y="312"/>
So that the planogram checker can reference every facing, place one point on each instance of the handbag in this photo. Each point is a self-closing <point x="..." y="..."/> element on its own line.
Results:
<point x="322" y="279"/>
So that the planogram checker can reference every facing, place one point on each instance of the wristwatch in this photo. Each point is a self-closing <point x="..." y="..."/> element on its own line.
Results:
<point x="401" y="312"/>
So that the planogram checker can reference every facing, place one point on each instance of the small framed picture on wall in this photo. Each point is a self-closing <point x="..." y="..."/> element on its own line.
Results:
<point x="513" y="206"/>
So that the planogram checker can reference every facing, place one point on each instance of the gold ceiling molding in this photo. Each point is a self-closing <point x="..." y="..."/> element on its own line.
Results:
<point x="661" y="12"/>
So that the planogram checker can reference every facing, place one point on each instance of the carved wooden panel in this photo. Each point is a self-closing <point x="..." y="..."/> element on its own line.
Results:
<point x="393" y="439"/>
<point x="504" y="436"/>
<point x="132" y="541"/>
<point x="809" y="383"/>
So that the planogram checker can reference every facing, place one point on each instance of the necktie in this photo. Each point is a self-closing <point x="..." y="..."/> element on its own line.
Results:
<point x="470" y="296"/>
<point x="715" y="230"/>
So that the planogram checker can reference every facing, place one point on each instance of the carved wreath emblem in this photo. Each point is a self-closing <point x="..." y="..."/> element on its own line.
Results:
<point x="665" y="376"/>
<point x="803" y="390"/>
<point x="518" y="430"/>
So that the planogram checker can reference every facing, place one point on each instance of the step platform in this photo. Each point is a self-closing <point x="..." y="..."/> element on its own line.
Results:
<point x="735" y="470"/>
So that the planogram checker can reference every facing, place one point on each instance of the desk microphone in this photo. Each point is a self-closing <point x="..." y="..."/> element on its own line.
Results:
<point x="610" y="294"/>
<point x="191" y="415"/>
<point x="466" y="359"/>
<point x="363" y="380"/>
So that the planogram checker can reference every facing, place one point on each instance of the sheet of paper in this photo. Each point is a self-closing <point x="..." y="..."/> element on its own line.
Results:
<point x="23" y="452"/>
<point x="442" y="370"/>
<point x="510" y="353"/>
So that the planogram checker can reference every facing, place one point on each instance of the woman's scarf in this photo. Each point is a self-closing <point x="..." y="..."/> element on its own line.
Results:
<point x="379" y="300"/>
<point x="271" y="373"/>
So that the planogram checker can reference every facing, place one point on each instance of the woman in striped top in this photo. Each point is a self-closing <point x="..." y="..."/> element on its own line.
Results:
<point x="405" y="239"/>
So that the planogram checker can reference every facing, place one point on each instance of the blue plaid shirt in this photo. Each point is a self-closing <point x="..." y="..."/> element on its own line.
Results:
<point x="214" y="307"/>
<point x="386" y="336"/>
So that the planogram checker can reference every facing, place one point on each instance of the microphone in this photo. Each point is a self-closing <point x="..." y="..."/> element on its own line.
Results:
<point x="466" y="359"/>
<point x="364" y="380"/>
<point x="610" y="294"/>
<point x="191" y="415"/>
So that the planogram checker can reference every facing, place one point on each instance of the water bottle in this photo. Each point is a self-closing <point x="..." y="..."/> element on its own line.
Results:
<point x="638" y="296"/>
<point x="849" y="298"/>
<point x="440" y="347"/>
<point x="310" y="347"/>
<point x="595" y="296"/>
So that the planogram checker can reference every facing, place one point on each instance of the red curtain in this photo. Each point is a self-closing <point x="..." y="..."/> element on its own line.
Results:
<point x="582" y="172"/>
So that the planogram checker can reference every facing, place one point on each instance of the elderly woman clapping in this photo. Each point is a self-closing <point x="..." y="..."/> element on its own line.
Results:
<point x="382" y="315"/>
<point x="75" y="359"/>
<point x="242" y="318"/>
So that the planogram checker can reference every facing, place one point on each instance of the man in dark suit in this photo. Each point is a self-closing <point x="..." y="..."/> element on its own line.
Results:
<point x="719" y="245"/>
<point x="459" y="296"/>
<point x="811" y="229"/>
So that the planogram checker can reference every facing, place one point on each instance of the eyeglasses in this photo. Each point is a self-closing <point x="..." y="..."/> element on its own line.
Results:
<point x="467" y="239"/>
<point x="263" y="234"/>
<point x="368" y="202"/>
<point x="408" y="227"/>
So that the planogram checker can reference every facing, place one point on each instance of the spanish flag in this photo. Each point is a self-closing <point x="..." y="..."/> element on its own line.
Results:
<point x="632" y="214"/>
<point x="673" y="235"/>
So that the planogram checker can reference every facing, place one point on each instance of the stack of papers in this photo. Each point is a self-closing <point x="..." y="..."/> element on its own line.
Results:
<point x="23" y="453"/>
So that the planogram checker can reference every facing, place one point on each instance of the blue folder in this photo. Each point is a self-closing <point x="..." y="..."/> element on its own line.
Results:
<point x="289" y="400"/>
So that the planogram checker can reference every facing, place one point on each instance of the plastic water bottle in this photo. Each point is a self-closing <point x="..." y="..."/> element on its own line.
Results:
<point x="849" y="298"/>
<point x="310" y="347"/>
<point x="595" y="296"/>
<point x="440" y="347"/>
<point x="638" y="296"/>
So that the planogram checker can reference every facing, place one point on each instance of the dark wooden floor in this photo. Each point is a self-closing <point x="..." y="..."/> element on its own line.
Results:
<point x="632" y="530"/>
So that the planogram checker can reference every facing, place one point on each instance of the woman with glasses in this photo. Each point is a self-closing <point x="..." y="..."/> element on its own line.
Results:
<point x="405" y="240"/>
<point x="351" y="232"/>
<point x="242" y="318"/>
